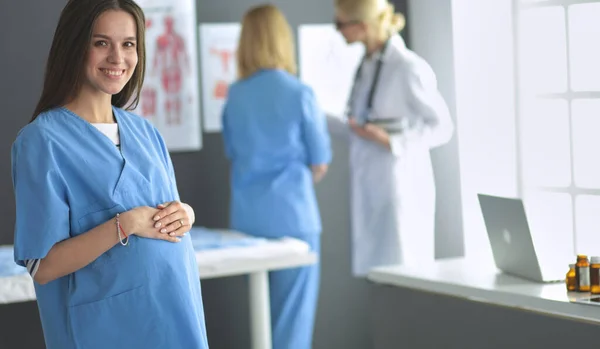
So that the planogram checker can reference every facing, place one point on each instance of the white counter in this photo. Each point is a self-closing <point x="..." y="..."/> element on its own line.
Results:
<point x="482" y="282"/>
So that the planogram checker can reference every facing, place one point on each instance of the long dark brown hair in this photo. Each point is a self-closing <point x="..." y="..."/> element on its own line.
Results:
<point x="68" y="54"/>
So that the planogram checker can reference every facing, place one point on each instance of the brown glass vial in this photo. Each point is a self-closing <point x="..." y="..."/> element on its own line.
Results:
<point x="571" y="278"/>
<point x="582" y="273"/>
<point x="595" y="275"/>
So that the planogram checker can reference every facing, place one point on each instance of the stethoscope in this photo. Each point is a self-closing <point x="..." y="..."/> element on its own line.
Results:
<point x="391" y="125"/>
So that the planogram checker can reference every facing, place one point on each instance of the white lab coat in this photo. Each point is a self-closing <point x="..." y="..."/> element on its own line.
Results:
<point x="393" y="192"/>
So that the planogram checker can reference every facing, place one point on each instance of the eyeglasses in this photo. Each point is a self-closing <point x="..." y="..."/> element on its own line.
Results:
<point x="339" y="25"/>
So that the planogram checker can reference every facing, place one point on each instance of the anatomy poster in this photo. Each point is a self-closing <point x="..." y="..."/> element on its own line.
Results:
<point x="218" y="44"/>
<point x="170" y="97"/>
<point x="328" y="65"/>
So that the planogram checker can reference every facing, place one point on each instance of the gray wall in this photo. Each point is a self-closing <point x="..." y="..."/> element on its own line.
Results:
<point x="431" y="37"/>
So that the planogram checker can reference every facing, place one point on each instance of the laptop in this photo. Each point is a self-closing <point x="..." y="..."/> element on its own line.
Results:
<point x="512" y="243"/>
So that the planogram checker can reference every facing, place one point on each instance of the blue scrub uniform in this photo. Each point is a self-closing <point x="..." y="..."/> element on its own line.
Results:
<point x="273" y="131"/>
<point x="68" y="178"/>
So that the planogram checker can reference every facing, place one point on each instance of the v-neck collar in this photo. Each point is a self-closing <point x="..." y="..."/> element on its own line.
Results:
<point x="91" y="128"/>
<point x="123" y="127"/>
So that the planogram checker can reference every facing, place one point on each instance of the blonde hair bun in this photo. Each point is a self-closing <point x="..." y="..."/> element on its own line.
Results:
<point x="394" y="22"/>
<point x="398" y="22"/>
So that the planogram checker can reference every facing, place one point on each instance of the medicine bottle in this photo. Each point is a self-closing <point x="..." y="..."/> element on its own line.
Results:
<point x="595" y="275"/>
<point x="571" y="278"/>
<point x="582" y="273"/>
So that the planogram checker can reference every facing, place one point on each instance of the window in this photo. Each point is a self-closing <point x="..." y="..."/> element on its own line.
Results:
<point x="558" y="117"/>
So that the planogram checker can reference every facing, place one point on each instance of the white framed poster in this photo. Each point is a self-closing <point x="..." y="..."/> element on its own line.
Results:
<point x="218" y="45"/>
<point x="170" y="98"/>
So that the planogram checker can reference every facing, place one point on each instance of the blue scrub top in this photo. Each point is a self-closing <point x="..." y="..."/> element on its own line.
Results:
<point x="68" y="178"/>
<point x="273" y="131"/>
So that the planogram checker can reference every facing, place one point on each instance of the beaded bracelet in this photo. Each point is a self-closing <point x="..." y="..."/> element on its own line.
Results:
<point x="119" y="231"/>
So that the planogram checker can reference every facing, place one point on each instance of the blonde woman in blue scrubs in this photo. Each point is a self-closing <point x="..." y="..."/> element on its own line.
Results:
<point x="277" y="141"/>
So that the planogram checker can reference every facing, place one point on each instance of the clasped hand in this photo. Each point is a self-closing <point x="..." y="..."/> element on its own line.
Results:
<point x="168" y="221"/>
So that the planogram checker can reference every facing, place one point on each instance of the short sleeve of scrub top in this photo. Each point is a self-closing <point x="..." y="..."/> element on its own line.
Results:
<point x="42" y="211"/>
<point x="314" y="129"/>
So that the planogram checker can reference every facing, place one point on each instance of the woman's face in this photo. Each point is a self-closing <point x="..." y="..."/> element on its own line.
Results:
<point x="112" y="56"/>
<point x="352" y="30"/>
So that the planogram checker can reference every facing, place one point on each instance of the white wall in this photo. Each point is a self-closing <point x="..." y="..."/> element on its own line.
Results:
<point x="431" y="38"/>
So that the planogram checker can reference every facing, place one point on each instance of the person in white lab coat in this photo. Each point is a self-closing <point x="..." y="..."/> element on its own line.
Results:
<point x="395" y="115"/>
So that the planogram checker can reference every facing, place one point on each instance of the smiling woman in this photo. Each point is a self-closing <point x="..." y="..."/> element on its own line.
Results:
<point x="112" y="59"/>
<point x="63" y="82"/>
<point x="100" y="227"/>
